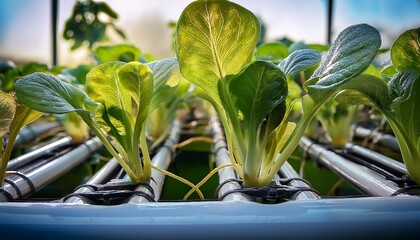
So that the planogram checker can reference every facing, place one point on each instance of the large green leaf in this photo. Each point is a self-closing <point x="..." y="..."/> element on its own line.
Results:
<point x="257" y="91"/>
<point x="405" y="90"/>
<point x="166" y="79"/>
<point x="214" y="39"/>
<point x="405" y="52"/>
<point x="366" y="89"/>
<point x="47" y="93"/>
<point x="137" y="80"/>
<point x="7" y="112"/>
<point x="103" y="85"/>
<point x="351" y="53"/>
<point x="299" y="60"/>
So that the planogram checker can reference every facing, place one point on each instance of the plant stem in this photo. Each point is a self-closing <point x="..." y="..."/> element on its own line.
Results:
<point x="98" y="132"/>
<point x="147" y="170"/>
<point x="7" y="153"/>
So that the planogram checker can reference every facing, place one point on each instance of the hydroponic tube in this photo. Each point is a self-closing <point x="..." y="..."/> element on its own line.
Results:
<point x="48" y="172"/>
<point x="30" y="156"/>
<point x="382" y="138"/>
<point x="162" y="159"/>
<point x="379" y="158"/>
<point x="366" y="180"/>
<point x="100" y="177"/>
<point x="228" y="173"/>
<point x="31" y="131"/>
<point x="287" y="171"/>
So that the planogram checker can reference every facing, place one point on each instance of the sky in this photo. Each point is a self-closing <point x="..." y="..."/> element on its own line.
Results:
<point x="25" y="24"/>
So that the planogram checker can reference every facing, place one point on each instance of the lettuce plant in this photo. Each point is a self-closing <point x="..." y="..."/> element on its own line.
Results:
<point x="13" y="117"/>
<point x="215" y="43"/>
<point x="119" y="98"/>
<point x="396" y="99"/>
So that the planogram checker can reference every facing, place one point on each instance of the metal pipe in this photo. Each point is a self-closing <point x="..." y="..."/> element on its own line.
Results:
<point x="353" y="218"/>
<point x="162" y="159"/>
<point x="366" y="180"/>
<point x="100" y="177"/>
<point x="387" y="140"/>
<point x="378" y="158"/>
<point x="227" y="173"/>
<point x="49" y="171"/>
<point x="31" y="131"/>
<point x="287" y="171"/>
<point x="28" y="157"/>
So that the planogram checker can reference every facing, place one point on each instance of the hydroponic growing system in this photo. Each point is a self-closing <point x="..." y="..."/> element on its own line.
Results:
<point x="232" y="138"/>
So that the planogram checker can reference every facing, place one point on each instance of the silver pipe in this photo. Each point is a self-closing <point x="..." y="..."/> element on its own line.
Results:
<point x="31" y="131"/>
<point x="50" y="171"/>
<point x="387" y="140"/>
<point x="362" y="177"/>
<point x="287" y="171"/>
<point x="162" y="159"/>
<point x="100" y="177"/>
<point x="30" y="156"/>
<point x="227" y="173"/>
<point x="378" y="158"/>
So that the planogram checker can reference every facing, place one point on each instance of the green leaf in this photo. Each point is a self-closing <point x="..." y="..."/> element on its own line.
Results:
<point x="400" y="86"/>
<point x="272" y="51"/>
<point x="257" y="90"/>
<point x="405" y="52"/>
<point x="105" y="8"/>
<point x="299" y="60"/>
<point x="137" y="80"/>
<point x="215" y="39"/>
<point x="24" y="115"/>
<point x="120" y="52"/>
<point x="351" y="53"/>
<point x="389" y="70"/>
<point x="47" y="93"/>
<point x="366" y="89"/>
<point x="7" y="112"/>
<point x="104" y="85"/>
<point x="166" y="79"/>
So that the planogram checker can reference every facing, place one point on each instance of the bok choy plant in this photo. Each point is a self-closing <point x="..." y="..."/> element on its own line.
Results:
<point x="396" y="99"/>
<point x="119" y="98"/>
<point x="215" y="42"/>
<point x="13" y="117"/>
<point x="337" y="118"/>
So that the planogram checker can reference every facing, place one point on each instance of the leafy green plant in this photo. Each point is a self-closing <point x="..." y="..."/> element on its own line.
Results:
<point x="337" y="119"/>
<point x="215" y="44"/>
<point x="119" y="98"/>
<point x="84" y="25"/>
<point x="12" y="118"/>
<point x="159" y="121"/>
<point x="396" y="99"/>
